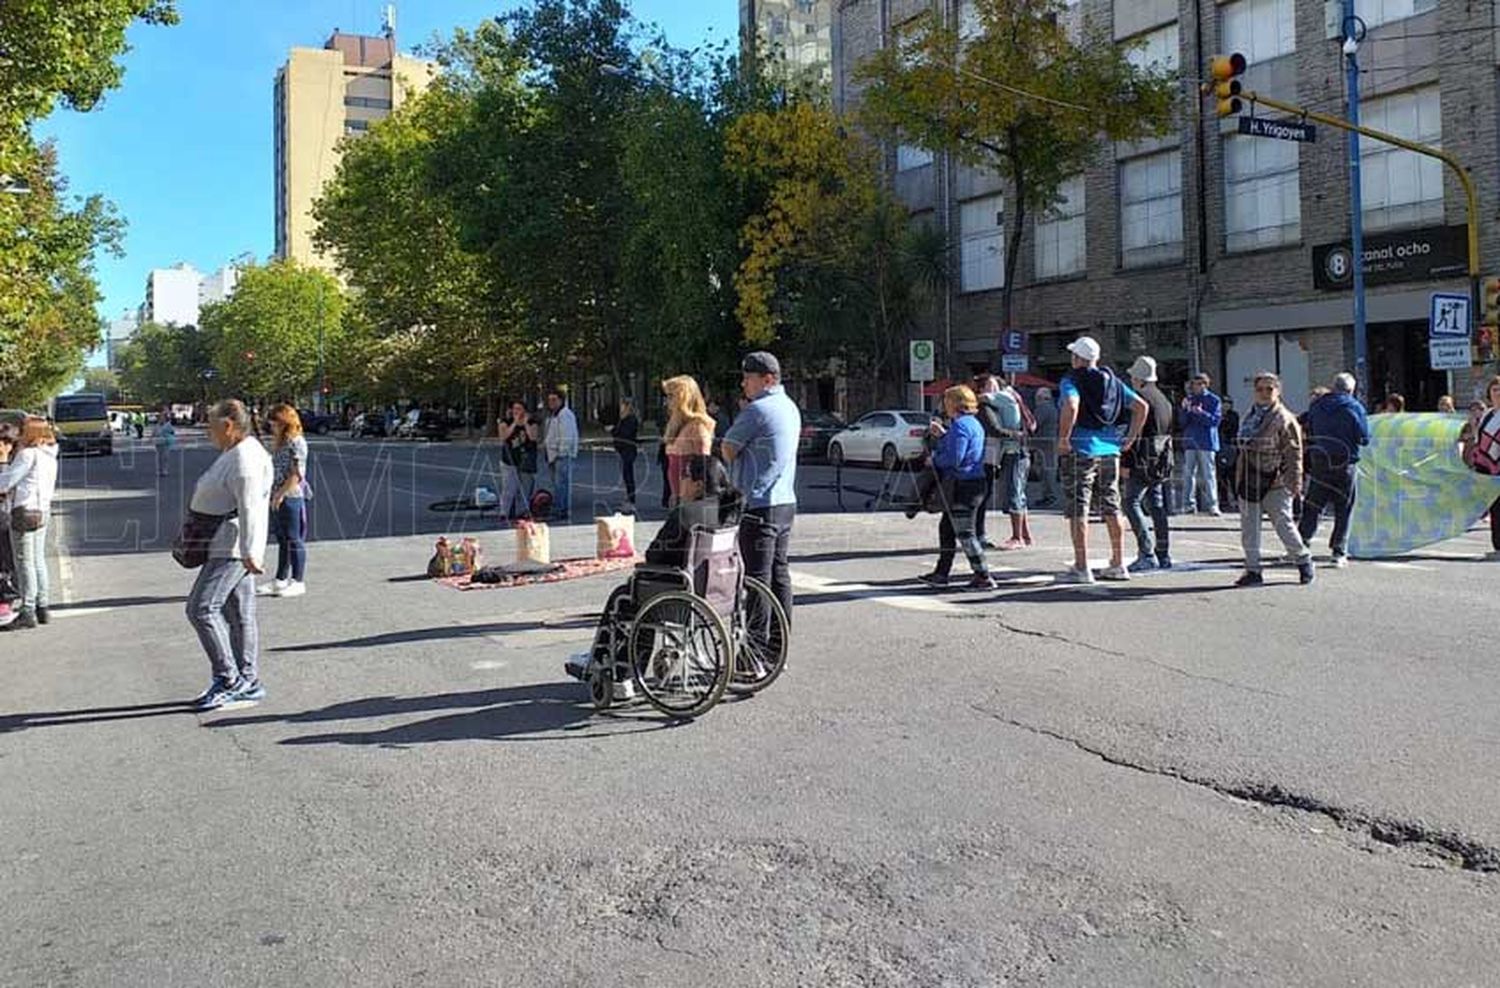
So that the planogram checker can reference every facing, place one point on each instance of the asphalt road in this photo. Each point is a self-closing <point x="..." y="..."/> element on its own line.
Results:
<point x="1161" y="783"/>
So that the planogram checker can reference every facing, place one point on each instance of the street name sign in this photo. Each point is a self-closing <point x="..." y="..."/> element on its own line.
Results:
<point x="923" y="360"/>
<point x="1015" y="363"/>
<point x="1449" y="354"/>
<point x="1279" y="129"/>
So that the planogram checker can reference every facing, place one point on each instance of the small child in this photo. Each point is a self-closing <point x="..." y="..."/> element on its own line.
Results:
<point x="164" y="438"/>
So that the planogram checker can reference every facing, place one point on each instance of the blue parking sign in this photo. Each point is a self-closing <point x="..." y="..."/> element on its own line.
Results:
<point x="1013" y="341"/>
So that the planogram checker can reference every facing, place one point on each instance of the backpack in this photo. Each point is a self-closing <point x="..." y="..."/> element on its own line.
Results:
<point x="1484" y="454"/>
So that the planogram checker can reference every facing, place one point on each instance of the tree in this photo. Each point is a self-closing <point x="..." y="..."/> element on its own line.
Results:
<point x="271" y="335"/>
<point x="47" y="286"/>
<point x="1022" y="97"/>
<point x="168" y="364"/>
<point x="102" y="380"/>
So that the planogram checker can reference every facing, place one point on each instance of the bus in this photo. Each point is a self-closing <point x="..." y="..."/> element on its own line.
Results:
<point x="82" y="423"/>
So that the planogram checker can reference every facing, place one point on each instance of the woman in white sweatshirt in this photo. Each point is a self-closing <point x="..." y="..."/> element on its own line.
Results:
<point x="221" y="607"/>
<point x="31" y="479"/>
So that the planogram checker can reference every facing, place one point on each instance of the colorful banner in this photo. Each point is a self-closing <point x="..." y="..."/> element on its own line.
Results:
<point x="1414" y="490"/>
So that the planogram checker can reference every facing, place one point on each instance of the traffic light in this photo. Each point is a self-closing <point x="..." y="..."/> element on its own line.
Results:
<point x="1225" y="71"/>
<point x="1489" y="297"/>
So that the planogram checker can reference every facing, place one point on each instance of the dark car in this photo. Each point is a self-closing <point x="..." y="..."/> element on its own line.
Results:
<point x="368" y="424"/>
<point x="817" y="429"/>
<point x="425" y="424"/>
<point x="317" y="423"/>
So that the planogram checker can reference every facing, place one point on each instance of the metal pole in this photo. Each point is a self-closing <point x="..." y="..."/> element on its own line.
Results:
<point x="1356" y="210"/>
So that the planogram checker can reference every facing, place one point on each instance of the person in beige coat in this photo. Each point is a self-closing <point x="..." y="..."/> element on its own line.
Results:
<point x="1268" y="475"/>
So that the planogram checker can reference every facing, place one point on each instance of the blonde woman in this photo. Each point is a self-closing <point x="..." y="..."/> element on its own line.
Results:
<point x="690" y="429"/>
<point x="288" y="503"/>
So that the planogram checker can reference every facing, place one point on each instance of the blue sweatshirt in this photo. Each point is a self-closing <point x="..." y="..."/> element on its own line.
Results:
<point x="1337" y="427"/>
<point x="1200" y="421"/>
<point x="960" y="453"/>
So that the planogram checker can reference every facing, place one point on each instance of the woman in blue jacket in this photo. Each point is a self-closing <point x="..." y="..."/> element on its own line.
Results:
<point x="958" y="459"/>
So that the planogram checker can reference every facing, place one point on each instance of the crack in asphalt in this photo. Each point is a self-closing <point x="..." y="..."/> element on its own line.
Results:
<point x="1454" y="850"/>
<point x="1090" y="646"/>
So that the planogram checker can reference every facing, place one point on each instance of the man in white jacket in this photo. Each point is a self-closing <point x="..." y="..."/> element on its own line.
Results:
<point x="221" y="606"/>
<point x="561" y="447"/>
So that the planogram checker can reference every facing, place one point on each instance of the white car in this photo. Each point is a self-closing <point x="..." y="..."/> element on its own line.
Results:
<point x="884" y="437"/>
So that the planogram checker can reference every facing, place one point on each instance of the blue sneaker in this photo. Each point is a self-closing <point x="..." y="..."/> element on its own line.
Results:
<point x="250" y="690"/>
<point x="219" y="692"/>
<point x="1163" y="562"/>
<point x="1142" y="564"/>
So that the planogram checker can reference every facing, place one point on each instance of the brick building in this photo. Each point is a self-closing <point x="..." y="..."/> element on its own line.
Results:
<point x="1201" y="248"/>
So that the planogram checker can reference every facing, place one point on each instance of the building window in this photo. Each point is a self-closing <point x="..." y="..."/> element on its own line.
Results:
<point x="1402" y="188"/>
<point x="981" y="244"/>
<point x="1260" y="29"/>
<point x="1060" y="234"/>
<point x="909" y="156"/>
<point x="369" y="102"/>
<point x="1151" y="209"/>
<point x="1155" y="51"/>
<point x="1375" y="12"/>
<point x="1262" y="193"/>
<point x="356" y="126"/>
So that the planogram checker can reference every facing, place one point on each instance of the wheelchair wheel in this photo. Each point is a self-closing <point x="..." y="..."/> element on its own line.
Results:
<point x="601" y="687"/>
<point x="680" y="654"/>
<point x="760" y="636"/>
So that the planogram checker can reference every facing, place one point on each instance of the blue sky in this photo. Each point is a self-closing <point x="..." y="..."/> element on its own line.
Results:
<point x="184" y="147"/>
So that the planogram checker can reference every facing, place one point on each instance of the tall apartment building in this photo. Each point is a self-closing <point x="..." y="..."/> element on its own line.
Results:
<point x="1222" y="250"/>
<point x="321" y="96"/>
<point x="172" y="296"/>
<point x="119" y="333"/>
<point x="218" y="286"/>
<point x="801" y="30"/>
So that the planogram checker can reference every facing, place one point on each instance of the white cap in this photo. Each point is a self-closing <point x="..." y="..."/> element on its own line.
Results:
<point x="1085" y="347"/>
<point x="1144" y="369"/>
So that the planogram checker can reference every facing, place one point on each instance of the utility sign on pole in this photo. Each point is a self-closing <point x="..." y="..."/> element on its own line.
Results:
<point x="923" y="361"/>
<point x="1449" y="332"/>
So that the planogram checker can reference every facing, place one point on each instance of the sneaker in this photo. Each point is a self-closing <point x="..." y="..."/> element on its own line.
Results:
<point x="1117" y="573"/>
<point x="272" y="589"/>
<point x="250" y="690"/>
<point x="624" y="690"/>
<point x="26" y="619"/>
<point x="992" y="546"/>
<point x="577" y="665"/>
<point x="1142" y="565"/>
<point x="1075" y="575"/>
<point x="934" y="579"/>
<point x="1216" y="513"/>
<point x="1249" y="579"/>
<point x="294" y="588"/>
<point x="982" y="581"/>
<point x="43" y="615"/>
<point x="1340" y="561"/>
<point x="1163" y="562"/>
<point x="219" y="693"/>
<point x="7" y="614"/>
<point x="1305" y="572"/>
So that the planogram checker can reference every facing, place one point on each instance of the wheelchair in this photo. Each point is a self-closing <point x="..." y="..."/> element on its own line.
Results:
<point x="682" y="637"/>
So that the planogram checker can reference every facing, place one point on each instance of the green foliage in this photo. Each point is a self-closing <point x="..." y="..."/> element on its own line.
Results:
<point x="168" y="364"/>
<point x="268" y="335"/>
<point x="47" y="286"/>
<point x="1023" y="98"/>
<point x="104" y="381"/>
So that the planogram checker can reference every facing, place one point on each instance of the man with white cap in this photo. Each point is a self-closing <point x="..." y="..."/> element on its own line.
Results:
<point x="1094" y="401"/>
<point x="1148" y="468"/>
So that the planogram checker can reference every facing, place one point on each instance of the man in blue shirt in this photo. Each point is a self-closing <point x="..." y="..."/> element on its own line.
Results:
<point x="761" y="450"/>
<point x="1089" y="448"/>
<point x="1336" y="428"/>
<point x="1201" y="413"/>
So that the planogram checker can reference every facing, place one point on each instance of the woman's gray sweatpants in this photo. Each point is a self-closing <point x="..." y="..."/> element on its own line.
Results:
<point x="1277" y="504"/>
<point x="221" y="609"/>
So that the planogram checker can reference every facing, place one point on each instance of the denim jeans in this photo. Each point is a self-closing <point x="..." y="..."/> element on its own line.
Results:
<point x="30" y="552"/>
<point x="561" y="470"/>
<point x="516" y="489"/>
<point x="291" y="539"/>
<point x="1143" y="497"/>
<point x="627" y="472"/>
<point x="1330" y="486"/>
<point x="765" y="543"/>
<point x="957" y="527"/>
<point x="221" y="608"/>
<point x="1199" y="474"/>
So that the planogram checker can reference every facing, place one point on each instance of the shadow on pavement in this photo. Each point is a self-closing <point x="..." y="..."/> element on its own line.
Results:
<point x="79" y="605"/>
<point x="533" y="712"/>
<point x="443" y="633"/>
<point x="1071" y="593"/>
<point x="91" y="715"/>
<point x="847" y="554"/>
